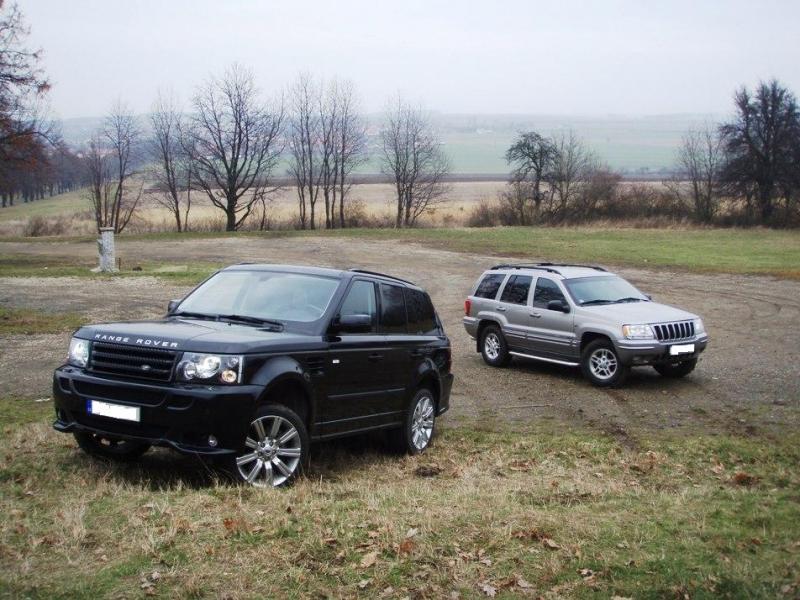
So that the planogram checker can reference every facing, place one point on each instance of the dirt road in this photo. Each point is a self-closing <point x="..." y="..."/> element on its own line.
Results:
<point x="748" y="380"/>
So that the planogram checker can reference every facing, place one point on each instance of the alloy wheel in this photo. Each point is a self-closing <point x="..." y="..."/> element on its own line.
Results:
<point x="422" y="423"/>
<point x="274" y="452"/>
<point x="603" y="363"/>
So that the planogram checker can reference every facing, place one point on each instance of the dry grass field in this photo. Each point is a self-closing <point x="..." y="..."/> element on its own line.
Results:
<point x="538" y="485"/>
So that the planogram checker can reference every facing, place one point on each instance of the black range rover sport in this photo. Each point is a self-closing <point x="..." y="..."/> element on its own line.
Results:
<point x="257" y="362"/>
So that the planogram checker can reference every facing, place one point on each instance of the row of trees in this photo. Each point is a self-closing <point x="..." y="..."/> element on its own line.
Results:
<point x="753" y="159"/>
<point x="229" y="146"/>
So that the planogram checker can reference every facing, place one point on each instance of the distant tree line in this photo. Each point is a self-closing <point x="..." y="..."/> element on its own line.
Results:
<point x="750" y="165"/>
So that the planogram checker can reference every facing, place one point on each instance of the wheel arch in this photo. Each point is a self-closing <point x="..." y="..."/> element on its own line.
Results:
<point x="286" y="383"/>
<point x="483" y="324"/>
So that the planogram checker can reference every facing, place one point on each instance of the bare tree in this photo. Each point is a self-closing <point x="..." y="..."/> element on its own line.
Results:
<point x="235" y="143"/>
<point x="350" y="145"/>
<point x="411" y="154"/>
<point x="110" y="161"/>
<point x="761" y="146"/>
<point x="531" y="156"/>
<point x="571" y="167"/>
<point x="172" y="169"/>
<point x="305" y="133"/>
<point x="701" y="158"/>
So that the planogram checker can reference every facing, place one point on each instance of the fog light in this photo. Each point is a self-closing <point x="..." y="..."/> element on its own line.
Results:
<point x="229" y="376"/>
<point x="212" y="441"/>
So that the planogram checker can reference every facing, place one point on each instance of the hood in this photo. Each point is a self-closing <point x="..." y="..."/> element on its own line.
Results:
<point x="637" y="312"/>
<point x="195" y="335"/>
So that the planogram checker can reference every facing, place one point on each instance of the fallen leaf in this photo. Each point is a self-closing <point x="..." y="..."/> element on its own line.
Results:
<point x="431" y="470"/>
<point x="411" y="533"/>
<point x="550" y="544"/>
<point x="521" y="583"/>
<point x="742" y="478"/>
<point x="369" y="559"/>
<point x="363" y="583"/>
<point x="489" y="590"/>
<point x="406" y="546"/>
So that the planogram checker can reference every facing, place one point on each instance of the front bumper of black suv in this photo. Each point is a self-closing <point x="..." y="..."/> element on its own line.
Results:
<point x="650" y="352"/>
<point x="191" y="418"/>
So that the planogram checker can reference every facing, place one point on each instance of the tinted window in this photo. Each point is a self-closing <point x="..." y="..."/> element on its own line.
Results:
<point x="360" y="300"/>
<point x="393" y="309"/>
<point x="421" y="318"/>
<point x="546" y="290"/>
<point x="516" y="290"/>
<point x="489" y="286"/>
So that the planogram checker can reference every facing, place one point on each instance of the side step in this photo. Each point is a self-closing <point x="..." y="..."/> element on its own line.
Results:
<point x="566" y="363"/>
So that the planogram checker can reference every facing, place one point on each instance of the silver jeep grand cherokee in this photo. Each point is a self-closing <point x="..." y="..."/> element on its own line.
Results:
<point x="579" y="315"/>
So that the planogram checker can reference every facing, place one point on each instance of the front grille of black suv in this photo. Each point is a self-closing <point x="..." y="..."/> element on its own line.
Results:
<point x="669" y="332"/>
<point x="154" y="364"/>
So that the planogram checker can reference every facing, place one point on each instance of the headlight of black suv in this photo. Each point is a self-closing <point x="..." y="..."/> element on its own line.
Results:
<point x="223" y="368"/>
<point x="78" y="355"/>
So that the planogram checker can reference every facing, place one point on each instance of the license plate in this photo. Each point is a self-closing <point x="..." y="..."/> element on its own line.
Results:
<point x="681" y="349"/>
<point x="113" y="411"/>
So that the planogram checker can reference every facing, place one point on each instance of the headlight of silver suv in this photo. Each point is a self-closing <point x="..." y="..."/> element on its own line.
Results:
<point x="78" y="352"/>
<point x="637" y="332"/>
<point x="216" y="367"/>
<point x="699" y="328"/>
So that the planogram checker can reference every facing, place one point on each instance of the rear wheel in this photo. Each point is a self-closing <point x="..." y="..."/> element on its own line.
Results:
<point x="676" y="370"/>
<point x="102" y="446"/>
<point x="601" y="364"/>
<point x="417" y="431"/>
<point x="275" y="450"/>
<point x="493" y="347"/>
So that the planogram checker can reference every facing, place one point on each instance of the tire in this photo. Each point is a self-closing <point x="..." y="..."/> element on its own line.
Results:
<point x="494" y="348"/>
<point x="676" y="370"/>
<point x="602" y="366"/>
<point x="416" y="434"/>
<point x="275" y="449"/>
<point x="110" y="448"/>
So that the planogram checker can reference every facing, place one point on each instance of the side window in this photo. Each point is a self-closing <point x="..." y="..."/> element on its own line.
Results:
<point x="360" y="300"/>
<point x="516" y="290"/>
<point x="546" y="290"/>
<point x="489" y="286"/>
<point x="393" y="309"/>
<point x="421" y="318"/>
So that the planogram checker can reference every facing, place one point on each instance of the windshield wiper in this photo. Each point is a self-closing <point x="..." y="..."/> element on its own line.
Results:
<point x="194" y="315"/>
<point x="254" y="320"/>
<point x="629" y="299"/>
<point x="590" y="302"/>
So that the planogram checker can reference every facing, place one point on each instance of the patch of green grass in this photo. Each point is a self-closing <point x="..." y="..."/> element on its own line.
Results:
<point x="21" y="411"/>
<point x="28" y="321"/>
<point x="755" y="251"/>
<point x="759" y="251"/>
<point x="30" y="265"/>
<point x="668" y="518"/>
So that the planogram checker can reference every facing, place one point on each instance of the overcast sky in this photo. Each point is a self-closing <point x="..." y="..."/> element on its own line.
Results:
<point x="564" y="57"/>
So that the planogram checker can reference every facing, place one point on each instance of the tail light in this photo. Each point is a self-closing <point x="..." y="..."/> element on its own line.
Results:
<point x="467" y="306"/>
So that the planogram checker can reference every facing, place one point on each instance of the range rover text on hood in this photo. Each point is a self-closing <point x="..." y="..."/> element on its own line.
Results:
<point x="138" y="341"/>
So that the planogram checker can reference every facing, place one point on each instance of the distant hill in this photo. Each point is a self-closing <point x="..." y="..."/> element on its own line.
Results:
<point x="643" y="145"/>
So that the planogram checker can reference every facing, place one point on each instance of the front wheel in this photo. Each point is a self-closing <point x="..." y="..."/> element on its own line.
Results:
<point x="676" y="370"/>
<point x="112" y="448"/>
<point x="275" y="450"/>
<point x="417" y="431"/>
<point x="602" y="366"/>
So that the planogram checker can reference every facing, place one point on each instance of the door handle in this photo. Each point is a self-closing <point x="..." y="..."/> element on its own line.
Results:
<point x="536" y="315"/>
<point x="501" y="309"/>
<point x="375" y="357"/>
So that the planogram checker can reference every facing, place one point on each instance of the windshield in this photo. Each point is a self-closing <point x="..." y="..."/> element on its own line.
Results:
<point x="603" y="290"/>
<point x="263" y="295"/>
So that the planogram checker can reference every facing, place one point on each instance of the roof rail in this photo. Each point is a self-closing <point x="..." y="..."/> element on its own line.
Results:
<point x="537" y="266"/>
<point x="365" y="272"/>
<point x="550" y="264"/>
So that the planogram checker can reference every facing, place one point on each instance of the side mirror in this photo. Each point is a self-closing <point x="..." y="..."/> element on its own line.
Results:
<point x="559" y="305"/>
<point x="353" y="324"/>
<point x="173" y="304"/>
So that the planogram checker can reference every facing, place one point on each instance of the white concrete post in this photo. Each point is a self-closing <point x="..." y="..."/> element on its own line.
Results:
<point x="105" y="248"/>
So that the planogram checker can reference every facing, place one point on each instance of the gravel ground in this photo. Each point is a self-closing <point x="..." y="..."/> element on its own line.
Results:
<point x="747" y="382"/>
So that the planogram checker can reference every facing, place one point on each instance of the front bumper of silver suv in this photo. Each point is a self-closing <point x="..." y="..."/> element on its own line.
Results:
<point x="648" y="352"/>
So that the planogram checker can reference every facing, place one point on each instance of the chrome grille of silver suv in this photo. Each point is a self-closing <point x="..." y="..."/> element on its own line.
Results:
<point x="680" y="330"/>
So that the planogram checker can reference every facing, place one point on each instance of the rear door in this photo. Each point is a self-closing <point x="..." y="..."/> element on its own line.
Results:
<point x="552" y="333"/>
<point x="514" y="304"/>
<point x="396" y="365"/>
